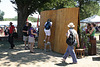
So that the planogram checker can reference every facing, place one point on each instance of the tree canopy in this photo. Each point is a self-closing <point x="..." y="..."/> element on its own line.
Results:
<point x="25" y="8"/>
<point x="32" y="19"/>
<point x="88" y="8"/>
<point x="29" y="6"/>
<point x="57" y="4"/>
<point x="11" y="19"/>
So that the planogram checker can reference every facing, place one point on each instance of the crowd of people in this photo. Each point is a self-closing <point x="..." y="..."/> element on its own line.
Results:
<point x="1" y="30"/>
<point x="90" y="29"/>
<point x="29" y="34"/>
<point x="4" y="30"/>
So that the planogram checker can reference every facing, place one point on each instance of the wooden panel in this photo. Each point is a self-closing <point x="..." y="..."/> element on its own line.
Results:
<point x="44" y="16"/>
<point x="64" y="17"/>
<point x="60" y="18"/>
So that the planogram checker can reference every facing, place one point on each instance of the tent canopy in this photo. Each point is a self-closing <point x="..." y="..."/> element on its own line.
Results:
<point x="2" y="23"/>
<point x="92" y="19"/>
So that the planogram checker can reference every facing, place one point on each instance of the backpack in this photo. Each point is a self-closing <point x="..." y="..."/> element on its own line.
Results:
<point x="47" y="26"/>
<point x="70" y="41"/>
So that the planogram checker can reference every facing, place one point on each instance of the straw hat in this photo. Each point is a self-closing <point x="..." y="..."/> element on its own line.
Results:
<point x="71" y="24"/>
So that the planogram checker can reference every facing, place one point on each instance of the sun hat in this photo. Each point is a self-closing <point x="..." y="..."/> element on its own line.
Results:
<point x="71" y="24"/>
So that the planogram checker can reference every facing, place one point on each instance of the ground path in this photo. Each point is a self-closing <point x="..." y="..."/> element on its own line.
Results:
<point x="19" y="57"/>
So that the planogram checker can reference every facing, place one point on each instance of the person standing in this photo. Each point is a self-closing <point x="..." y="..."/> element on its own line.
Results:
<point x="6" y="31"/>
<point x="10" y="37"/>
<point x="92" y="31"/>
<point x="25" y="34"/>
<point x="31" y="40"/>
<point x="70" y="49"/>
<point x="47" y="30"/>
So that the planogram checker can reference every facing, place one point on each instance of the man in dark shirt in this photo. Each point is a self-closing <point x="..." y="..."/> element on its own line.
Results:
<point x="25" y="34"/>
<point x="10" y="37"/>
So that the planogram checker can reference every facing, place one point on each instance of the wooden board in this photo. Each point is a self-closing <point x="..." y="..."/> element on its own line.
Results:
<point x="44" y="16"/>
<point x="64" y="17"/>
<point x="60" y="18"/>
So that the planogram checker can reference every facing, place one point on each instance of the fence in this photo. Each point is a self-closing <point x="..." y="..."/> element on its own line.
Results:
<point x="60" y="18"/>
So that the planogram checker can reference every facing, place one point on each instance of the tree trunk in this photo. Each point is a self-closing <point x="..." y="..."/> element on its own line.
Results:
<point x="21" y="22"/>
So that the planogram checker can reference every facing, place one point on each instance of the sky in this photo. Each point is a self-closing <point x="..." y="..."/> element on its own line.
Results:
<point x="7" y="7"/>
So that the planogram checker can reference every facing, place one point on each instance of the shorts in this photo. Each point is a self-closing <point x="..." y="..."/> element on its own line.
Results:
<point x="47" y="32"/>
<point x="25" y="38"/>
<point x="31" y="39"/>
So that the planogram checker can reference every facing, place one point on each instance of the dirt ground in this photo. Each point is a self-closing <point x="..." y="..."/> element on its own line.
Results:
<point x="19" y="57"/>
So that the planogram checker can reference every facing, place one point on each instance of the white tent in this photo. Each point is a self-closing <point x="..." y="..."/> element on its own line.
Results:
<point x="2" y="23"/>
<point x="92" y="19"/>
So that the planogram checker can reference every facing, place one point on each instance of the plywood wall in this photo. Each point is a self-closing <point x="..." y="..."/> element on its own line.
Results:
<point x="44" y="16"/>
<point x="60" y="18"/>
<point x="64" y="17"/>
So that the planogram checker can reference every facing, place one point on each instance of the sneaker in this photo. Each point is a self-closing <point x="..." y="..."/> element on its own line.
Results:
<point x="11" y="48"/>
<point x="28" y="47"/>
<point x="25" y="48"/>
<point x="48" y="43"/>
<point x="44" y="41"/>
<point x="74" y="62"/>
<point x="63" y="60"/>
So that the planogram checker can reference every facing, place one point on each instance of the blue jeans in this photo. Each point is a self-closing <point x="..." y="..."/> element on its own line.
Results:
<point x="70" y="50"/>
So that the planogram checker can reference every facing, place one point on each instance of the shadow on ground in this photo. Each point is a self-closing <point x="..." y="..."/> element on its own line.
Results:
<point x="96" y="58"/>
<point x="62" y="64"/>
<point x="22" y="56"/>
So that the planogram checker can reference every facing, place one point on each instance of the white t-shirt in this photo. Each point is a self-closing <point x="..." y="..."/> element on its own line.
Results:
<point x="46" y="23"/>
<point x="73" y="31"/>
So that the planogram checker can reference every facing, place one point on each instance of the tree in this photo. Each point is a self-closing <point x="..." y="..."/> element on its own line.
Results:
<point x="1" y="15"/>
<point x="32" y="19"/>
<point x="88" y="8"/>
<point x="26" y="7"/>
<point x="58" y="4"/>
<point x="11" y="19"/>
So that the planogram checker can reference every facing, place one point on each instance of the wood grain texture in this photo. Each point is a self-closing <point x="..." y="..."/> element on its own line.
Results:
<point x="60" y="18"/>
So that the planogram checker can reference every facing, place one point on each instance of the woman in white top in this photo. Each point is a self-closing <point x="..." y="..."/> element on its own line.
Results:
<point x="70" y="48"/>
